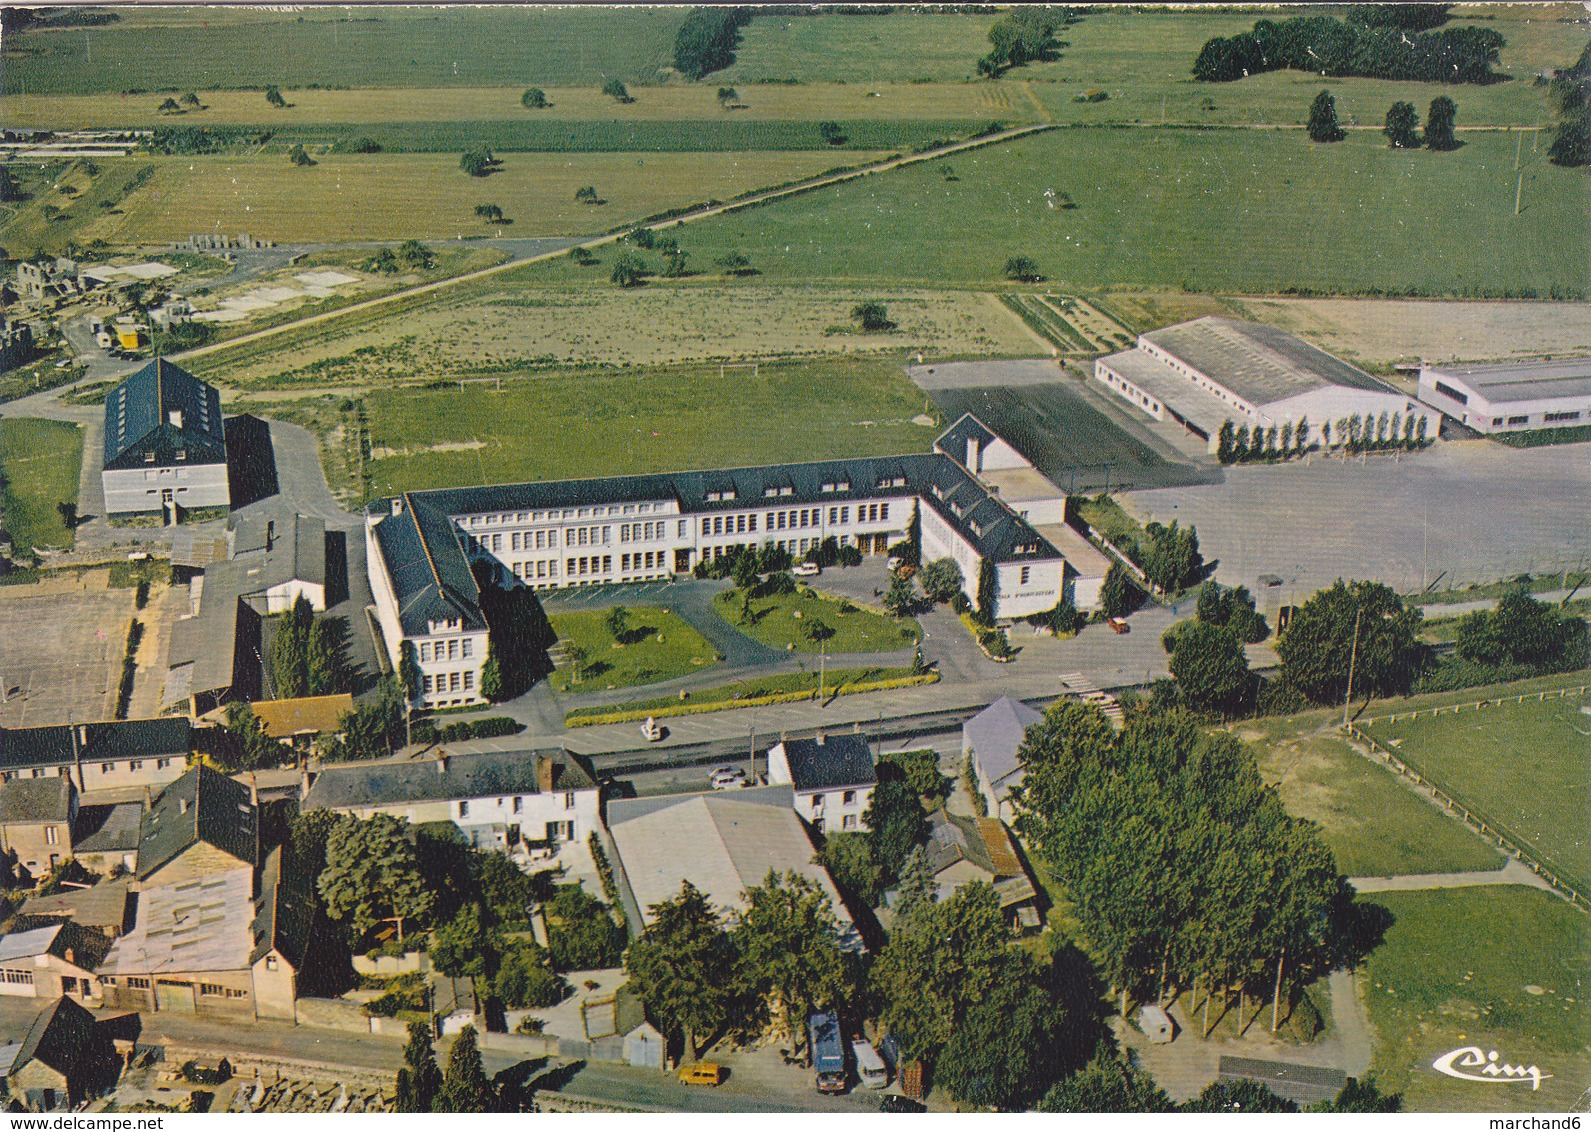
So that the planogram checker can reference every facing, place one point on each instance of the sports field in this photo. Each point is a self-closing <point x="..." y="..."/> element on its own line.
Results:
<point x="39" y="465"/>
<point x="597" y="424"/>
<point x="1526" y="765"/>
<point x="427" y="196"/>
<point x="1501" y="968"/>
<point x="1216" y="210"/>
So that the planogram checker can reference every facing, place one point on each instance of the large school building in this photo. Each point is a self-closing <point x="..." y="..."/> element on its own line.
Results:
<point x="421" y="546"/>
<point x="1212" y="370"/>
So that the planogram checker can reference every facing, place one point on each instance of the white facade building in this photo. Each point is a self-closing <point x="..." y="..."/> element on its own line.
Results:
<point x="831" y="777"/>
<point x="1511" y="396"/>
<point x="165" y="443"/>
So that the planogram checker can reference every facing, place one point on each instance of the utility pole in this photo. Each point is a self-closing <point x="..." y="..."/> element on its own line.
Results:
<point x="1519" y="192"/>
<point x="1519" y="140"/>
<point x="1353" y="655"/>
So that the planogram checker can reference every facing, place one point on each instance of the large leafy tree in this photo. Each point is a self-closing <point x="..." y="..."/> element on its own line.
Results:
<point x="372" y="874"/>
<point x="1238" y="1096"/>
<point x="850" y="860"/>
<point x="940" y="579"/>
<point x="894" y="819"/>
<point x="1403" y="126"/>
<point x="290" y="650"/>
<point x="1108" y="1083"/>
<point x="1210" y="668"/>
<point x="788" y="941"/>
<point x="1118" y="594"/>
<point x="465" y="1087"/>
<point x="1439" y="121"/>
<point x="1523" y="631"/>
<point x="1362" y="623"/>
<point x="1006" y="1050"/>
<point x="681" y="968"/>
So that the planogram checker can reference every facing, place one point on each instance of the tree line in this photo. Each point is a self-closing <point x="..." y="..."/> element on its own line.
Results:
<point x="1025" y="36"/>
<point x="1569" y="93"/>
<point x="706" y="41"/>
<point x="1338" y="48"/>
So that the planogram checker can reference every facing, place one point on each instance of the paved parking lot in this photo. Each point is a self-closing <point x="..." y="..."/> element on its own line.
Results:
<point x="61" y="652"/>
<point x="1477" y="510"/>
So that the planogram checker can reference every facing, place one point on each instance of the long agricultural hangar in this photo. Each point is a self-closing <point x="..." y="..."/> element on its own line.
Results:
<point x="1511" y="396"/>
<point x="1212" y="370"/>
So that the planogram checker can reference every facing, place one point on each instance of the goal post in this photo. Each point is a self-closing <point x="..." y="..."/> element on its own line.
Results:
<point x="725" y="367"/>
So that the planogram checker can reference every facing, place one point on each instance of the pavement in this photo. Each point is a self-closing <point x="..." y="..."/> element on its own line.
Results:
<point x="1514" y="872"/>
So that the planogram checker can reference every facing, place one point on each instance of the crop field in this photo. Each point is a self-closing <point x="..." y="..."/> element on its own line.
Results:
<point x="386" y="47"/>
<point x="427" y="196"/>
<point x="1502" y="968"/>
<point x="515" y="326"/>
<point x="1378" y="332"/>
<point x="643" y="421"/>
<point x="1374" y="825"/>
<point x="974" y="102"/>
<point x="784" y="621"/>
<point x="1526" y="765"/>
<point x="1203" y="210"/>
<point x="657" y="645"/>
<point x="39" y="465"/>
<point x="865" y="50"/>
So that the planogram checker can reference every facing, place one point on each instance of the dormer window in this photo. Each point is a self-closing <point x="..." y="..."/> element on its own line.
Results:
<point x="828" y="487"/>
<point x="182" y="453"/>
<point x="149" y="457"/>
<point x="769" y="492"/>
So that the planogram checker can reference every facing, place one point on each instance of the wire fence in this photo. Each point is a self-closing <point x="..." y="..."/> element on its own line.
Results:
<point x="1571" y="888"/>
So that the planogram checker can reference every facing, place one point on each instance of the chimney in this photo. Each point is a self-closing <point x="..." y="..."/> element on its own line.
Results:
<point x="397" y="504"/>
<point x="974" y="455"/>
<point x="175" y="417"/>
<point x="182" y="805"/>
<point x="270" y="534"/>
<point x="441" y="762"/>
<point x="71" y="956"/>
<point x="254" y="790"/>
<point x="818" y="738"/>
<point x="303" y="783"/>
<point x="548" y="772"/>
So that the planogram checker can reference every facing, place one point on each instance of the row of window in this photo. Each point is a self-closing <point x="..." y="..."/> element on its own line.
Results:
<point x="553" y="516"/>
<point x="459" y="648"/>
<point x="15" y="977"/>
<point x="450" y="682"/>
<point x="535" y="571"/>
<point x="517" y="804"/>
<point x="646" y="532"/>
<point x="643" y="560"/>
<point x="596" y="564"/>
<point x="133" y="766"/>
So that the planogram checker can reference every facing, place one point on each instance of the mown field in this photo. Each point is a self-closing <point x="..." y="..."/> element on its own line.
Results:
<point x="1233" y="210"/>
<point x="1527" y="765"/>
<point x="1374" y="825"/>
<point x="784" y="621"/>
<point x="385" y="47"/>
<point x="39" y="466"/>
<point x="1501" y="968"/>
<point x="599" y="424"/>
<point x="506" y="325"/>
<point x="427" y="196"/>
<point x="657" y="645"/>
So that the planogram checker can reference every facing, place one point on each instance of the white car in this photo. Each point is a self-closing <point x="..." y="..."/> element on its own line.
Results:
<point x="728" y="778"/>
<point x="895" y="562"/>
<point x="806" y="569"/>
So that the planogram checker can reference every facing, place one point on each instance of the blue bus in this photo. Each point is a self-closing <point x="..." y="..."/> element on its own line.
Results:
<point x="828" y="1051"/>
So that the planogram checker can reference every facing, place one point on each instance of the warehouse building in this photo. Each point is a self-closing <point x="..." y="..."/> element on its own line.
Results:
<point x="1212" y="370"/>
<point x="421" y="546"/>
<point x="1511" y="396"/>
<point x="165" y="447"/>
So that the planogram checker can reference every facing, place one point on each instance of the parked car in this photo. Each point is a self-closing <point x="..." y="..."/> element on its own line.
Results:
<point x="1119" y="625"/>
<point x="870" y="1068"/>
<point x="708" y="1073"/>
<point x="728" y="778"/>
<point x="894" y="1102"/>
<point x="650" y="731"/>
<point x="806" y="569"/>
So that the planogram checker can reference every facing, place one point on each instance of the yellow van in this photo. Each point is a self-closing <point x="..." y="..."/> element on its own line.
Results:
<point x="702" y="1073"/>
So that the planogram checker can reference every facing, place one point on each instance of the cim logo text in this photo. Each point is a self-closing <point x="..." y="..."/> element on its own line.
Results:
<point x="1483" y="1067"/>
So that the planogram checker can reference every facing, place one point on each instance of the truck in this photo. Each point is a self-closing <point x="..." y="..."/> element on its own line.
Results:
<point x="828" y="1051"/>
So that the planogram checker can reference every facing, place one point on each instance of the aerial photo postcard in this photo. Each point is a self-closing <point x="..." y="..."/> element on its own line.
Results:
<point x="809" y="558"/>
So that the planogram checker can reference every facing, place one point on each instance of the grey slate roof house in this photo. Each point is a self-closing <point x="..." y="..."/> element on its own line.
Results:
<point x="203" y="807"/>
<point x="99" y="756"/>
<point x="831" y="776"/>
<point x="65" y="1058"/>
<point x="991" y="740"/>
<point x="165" y="445"/>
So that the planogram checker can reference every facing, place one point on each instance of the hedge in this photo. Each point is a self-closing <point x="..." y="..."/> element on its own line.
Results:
<point x="638" y="714"/>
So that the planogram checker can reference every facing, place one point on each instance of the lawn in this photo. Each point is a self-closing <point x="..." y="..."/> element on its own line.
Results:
<point x="1500" y="968"/>
<point x="381" y="47"/>
<point x="1374" y="824"/>
<point x="655" y="645"/>
<point x="1525" y="765"/>
<point x="595" y="424"/>
<point x="39" y="466"/>
<point x="387" y="196"/>
<point x="784" y="621"/>
<point x="508" y="323"/>
<point x="836" y="682"/>
<point x="1204" y="210"/>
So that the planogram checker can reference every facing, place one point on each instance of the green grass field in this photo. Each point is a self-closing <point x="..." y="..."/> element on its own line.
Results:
<point x="385" y="47"/>
<point x="836" y="681"/>
<point x="1215" y="210"/>
<point x="39" y="466"/>
<point x="657" y="645"/>
<point x="1504" y="969"/>
<point x="1526" y="765"/>
<point x="642" y="421"/>
<point x="1374" y="825"/>
<point x="782" y="621"/>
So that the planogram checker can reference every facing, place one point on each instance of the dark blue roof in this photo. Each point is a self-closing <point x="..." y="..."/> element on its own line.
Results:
<point x="834" y="762"/>
<point x="430" y="574"/>
<point x="166" y="737"/>
<point x="163" y="409"/>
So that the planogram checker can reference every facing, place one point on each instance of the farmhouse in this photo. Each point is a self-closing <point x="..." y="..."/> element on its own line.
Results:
<point x="165" y="446"/>
<point x="832" y="777"/>
<point x="36" y="816"/>
<point x="65" y="1059"/>
<point x="1511" y="396"/>
<point x="1212" y="370"/>
<point x="498" y="799"/>
<point x="722" y="842"/>
<point x="98" y="756"/>
<point x="421" y="545"/>
<point x="221" y="926"/>
<point x="967" y="850"/>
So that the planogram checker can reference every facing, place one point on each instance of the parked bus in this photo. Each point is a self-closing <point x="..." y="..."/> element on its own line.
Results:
<point x="828" y="1052"/>
<point x="870" y="1069"/>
